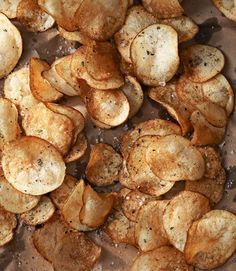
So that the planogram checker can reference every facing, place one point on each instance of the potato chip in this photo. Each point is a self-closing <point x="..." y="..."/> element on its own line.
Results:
<point x="111" y="107"/>
<point x="167" y="97"/>
<point x="211" y="240"/>
<point x="104" y="165"/>
<point x="39" y="214"/>
<point x="124" y="177"/>
<point x="163" y="9"/>
<point x="157" y="127"/>
<point x="155" y="58"/>
<point x="163" y="258"/>
<point x="74" y="36"/>
<point x="8" y="223"/>
<point x="180" y="213"/>
<point x="33" y="166"/>
<point x="9" y="8"/>
<point x="174" y="158"/>
<point x="202" y="62"/>
<point x="99" y="20"/>
<point x="140" y="172"/>
<point x="9" y="128"/>
<point x="17" y="90"/>
<point x="13" y="200"/>
<point x="136" y="20"/>
<point x="227" y="7"/>
<point x="10" y="38"/>
<point x="100" y="124"/>
<point x="149" y="230"/>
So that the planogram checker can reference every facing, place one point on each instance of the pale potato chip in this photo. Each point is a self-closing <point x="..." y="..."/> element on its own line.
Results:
<point x="40" y="87"/>
<point x="33" y="166"/>
<point x="9" y="8"/>
<point x="174" y="158"/>
<point x="100" y="20"/>
<point x="39" y="214"/>
<point x="44" y="123"/>
<point x="136" y="20"/>
<point x="17" y="90"/>
<point x="157" y="127"/>
<point x="124" y="177"/>
<point x="211" y="240"/>
<point x="33" y="17"/>
<point x="227" y="7"/>
<point x="204" y="132"/>
<point x="13" y="200"/>
<point x="10" y="39"/>
<point x="163" y="9"/>
<point x="180" y="213"/>
<point x="104" y="165"/>
<point x="8" y="223"/>
<point x="74" y="36"/>
<point x="164" y="258"/>
<point x="154" y="53"/>
<point x="9" y="128"/>
<point x="140" y="172"/>
<point x="149" y="230"/>
<point x="110" y="107"/>
<point x="202" y="62"/>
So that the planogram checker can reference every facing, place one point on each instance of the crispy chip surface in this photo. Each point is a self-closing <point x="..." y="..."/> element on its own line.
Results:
<point x="9" y="8"/>
<point x="227" y="7"/>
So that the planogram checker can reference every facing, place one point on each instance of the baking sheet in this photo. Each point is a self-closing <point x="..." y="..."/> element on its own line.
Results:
<point x="216" y="30"/>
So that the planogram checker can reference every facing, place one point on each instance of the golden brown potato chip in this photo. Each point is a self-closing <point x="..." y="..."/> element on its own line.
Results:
<point x="8" y="223"/>
<point x="227" y="7"/>
<point x="174" y="158"/>
<point x="40" y="87"/>
<point x="33" y="17"/>
<point x="163" y="9"/>
<point x="100" y="19"/>
<point x="17" y="90"/>
<point x="163" y="258"/>
<point x="104" y="165"/>
<point x="33" y="166"/>
<point x="9" y="128"/>
<point x="157" y="127"/>
<point x="180" y="213"/>
<point x="9" y="8"/>
<point x="13" y="200"/>
<point x="74" y="36"/>
<point x="11" y="46"/>
<point x="39" y="214"/>
<point x="136" y="20"/>
<point x="155" y="58"/>
<point x="140" y="172"/>
<point x="149" y="230"/>
<point x="211" y="240"/>
<point x="124" y="177"/>
<point x="44" y="123"/>
<point x="202" y="62"/>
<point x="167" y="97"/>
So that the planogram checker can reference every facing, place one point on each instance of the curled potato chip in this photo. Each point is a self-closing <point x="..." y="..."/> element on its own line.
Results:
<point x="227" y="7"/>
<point x="44" y="123"/>
<point x="155" y="58"/>
<point x="180" y="213"/>
<point x="110" y="107"/>
<point x="168" y="98"/>
<point x="9" y="128"/>
<point x="211" y="240"/>
<point x="17" y="90"/>
<point x="163" y="258"/>
<point x="39" y="214"/>
<point x="8" y="223"/>
<point x="33" y="17"/>
<point x="140" y="172"/>
<point x="33" y="166"/>
<point x="136" y="20"/>
<point x="99" y="20"/>
<point x="202" y="62"/>
<point x="13" y="200"/>
<point x="9" y="8"/>
<point x="174" y="158"/>
<point x="104" y="165"/>
<point x="149" y="230"/>
<point x="10" y="38"/>
<point x="74" y="36"/>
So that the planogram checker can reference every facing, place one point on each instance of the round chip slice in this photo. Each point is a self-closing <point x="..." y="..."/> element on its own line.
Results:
<point x="9" y="8"/>
<point x="211" y="240"/>
<point x="227" y="7"/>
<point x="174" y="158"/>
<point x="10" y="39"/>
<point x="8" y="223"/>
<point x="33" y="166"/>
<point x="180" y="213"/>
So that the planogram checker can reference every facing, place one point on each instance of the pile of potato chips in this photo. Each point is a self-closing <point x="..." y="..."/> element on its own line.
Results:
<point x="127" y="51"/>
